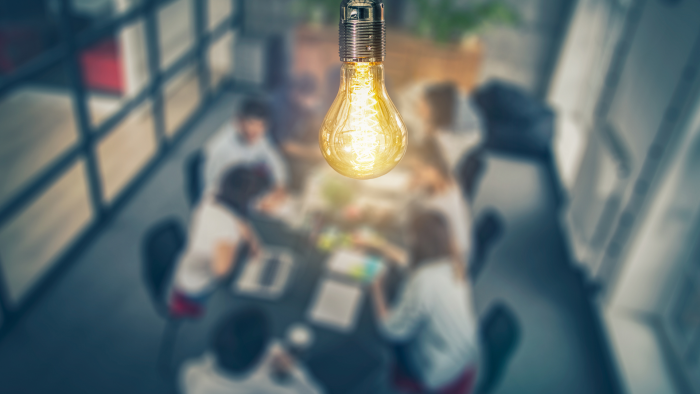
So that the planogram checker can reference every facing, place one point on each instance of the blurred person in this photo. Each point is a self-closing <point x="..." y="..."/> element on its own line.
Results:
<point x="296" y="125"/>
<point x="451" y="119"/>
<point x="296" y="114"/>
<point x="433" y="324"/>
<point x="439" y="191"/>
<point x="244" y="359"/>
<point x="244" y="141"/>
<point x="219" y="229"/>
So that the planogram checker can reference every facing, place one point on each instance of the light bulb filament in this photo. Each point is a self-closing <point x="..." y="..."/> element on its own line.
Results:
<point x="364" y="138"/>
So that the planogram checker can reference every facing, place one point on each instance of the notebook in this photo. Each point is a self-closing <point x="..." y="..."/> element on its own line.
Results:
<point x="336" y="305"/>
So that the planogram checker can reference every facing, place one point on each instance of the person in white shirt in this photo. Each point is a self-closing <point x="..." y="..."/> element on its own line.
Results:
<point x="440" y="192"/>
<point x="245" y="141"/>
<point x="218" y="231"/>
<point x="434" y="318"/>
<point x="245" y="360"/>
<point x="452" y="120"/>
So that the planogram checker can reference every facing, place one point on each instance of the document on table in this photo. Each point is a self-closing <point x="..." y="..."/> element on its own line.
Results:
<point x="336" y="305"/>
<point x="355" y="264"/>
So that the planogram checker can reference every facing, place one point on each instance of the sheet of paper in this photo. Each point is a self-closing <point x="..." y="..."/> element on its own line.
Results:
<point x="355" y="264"/>
<point x="336" y="305"/>
<point x="346" y="262"/>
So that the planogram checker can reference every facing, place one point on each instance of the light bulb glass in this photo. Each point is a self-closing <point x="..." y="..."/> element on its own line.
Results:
<point x="363" y="135"/>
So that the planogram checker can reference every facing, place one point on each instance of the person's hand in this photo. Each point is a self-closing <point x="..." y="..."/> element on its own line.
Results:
<point x="253" y="243"/>
<point x="271" y="201"/>
<point x="282" y="361"/>
<point x="367" y="239"/>
<point x="378" y="283"/>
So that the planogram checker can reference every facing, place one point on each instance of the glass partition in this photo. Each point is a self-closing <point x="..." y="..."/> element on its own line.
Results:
<point x="115" y="70"/>
<point x="126" y="150"/>
<point x="182" y="97"/>
<point x="221" y="59"/>
<point x="32" y="240"/>
<point x="37" y="126"/>
<point x="175" y="31"/>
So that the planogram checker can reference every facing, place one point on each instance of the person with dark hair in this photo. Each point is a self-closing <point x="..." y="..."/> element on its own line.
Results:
<point x="452" y="120"/>
<point x="439" y="191"/>
<point x="433" y="324"/>
<point x="244" y="359"/>
<point x="218" y="231"/>
<point x="244" y="141"/>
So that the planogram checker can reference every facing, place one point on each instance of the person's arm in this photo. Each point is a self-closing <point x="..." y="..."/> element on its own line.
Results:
<point x="278" y="359"/>
<point x="301" y="379"/>
<point x="249" y="235"/>
<point x="224" y="258"/>
<point x="215" y="158"/>
<point x="272" y="200"/>
<point x="401" y="322"/>
<point x="302" y="151"/>
<point x="277" y="166"/>
<point x="381" y="309"/>
<point x="390" y="251"/>
<point x="304" y="383"/>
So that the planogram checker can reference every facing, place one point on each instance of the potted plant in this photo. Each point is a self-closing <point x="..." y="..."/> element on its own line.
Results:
<point x="430" y="51"/>
<point x="317" y="12"/>
<point x="444" y="21"/>
<point x="441" y="20"/>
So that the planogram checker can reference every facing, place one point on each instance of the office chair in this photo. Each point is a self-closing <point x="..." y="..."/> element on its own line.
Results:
<point x="489" y="228"/>
<point x="499" y="333"/>
<point x="194" y="174"/>
<point x="162" y="244"/>
<point x="470" y="172"/>
<point x="516" y="121"/>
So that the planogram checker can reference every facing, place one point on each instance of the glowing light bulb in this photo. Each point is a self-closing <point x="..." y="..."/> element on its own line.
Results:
<point x="363" y="135"/>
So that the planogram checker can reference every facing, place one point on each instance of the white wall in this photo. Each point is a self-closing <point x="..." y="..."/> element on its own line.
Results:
<point x="615" y="146"/>
<point x="641" y="282"/>
<point x="525" y="54"/>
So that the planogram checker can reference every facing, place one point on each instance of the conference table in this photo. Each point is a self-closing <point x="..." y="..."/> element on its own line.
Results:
<point x="342" y="362"/>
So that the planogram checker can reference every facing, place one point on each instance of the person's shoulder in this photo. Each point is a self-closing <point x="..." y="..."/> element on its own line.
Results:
<point x="212" y="211"/>
<point x="224" y="136"/>
<point x="421" y="278"/>
<point x="425" y="276"/>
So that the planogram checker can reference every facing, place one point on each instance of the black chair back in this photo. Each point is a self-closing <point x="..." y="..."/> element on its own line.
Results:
<point x="470" y="171"/>
<point x="489" y="228"/>
<point x="516" y="121"/>
<point x="194" y="177"/>
<point x="500" y="335"/>
<point x="162" y="244"/>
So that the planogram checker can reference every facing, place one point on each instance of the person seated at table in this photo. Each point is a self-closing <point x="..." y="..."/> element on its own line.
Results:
<point x="452" y="120"/>
<point x="433" y="324"/>
<point x="297" y="120"/>
<point x="244" y="141"/>
<point x="244" y="359"/>
<point x="219" y="229"/>
<point x="440" y="192"/>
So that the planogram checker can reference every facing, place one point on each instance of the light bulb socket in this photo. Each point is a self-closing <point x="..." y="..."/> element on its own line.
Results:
<point x="362" y="31"/>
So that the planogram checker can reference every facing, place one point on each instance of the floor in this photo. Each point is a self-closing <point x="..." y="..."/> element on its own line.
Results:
<point x="95" y="331"/>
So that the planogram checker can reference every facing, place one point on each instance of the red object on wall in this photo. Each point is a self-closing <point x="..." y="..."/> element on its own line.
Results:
<point x="102" y="68"/>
